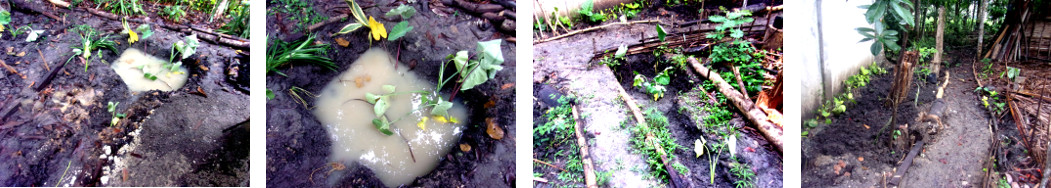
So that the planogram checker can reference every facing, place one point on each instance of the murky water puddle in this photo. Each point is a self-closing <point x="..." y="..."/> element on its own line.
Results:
<point x="133" y="65"/>
<point x="411" y="151"/>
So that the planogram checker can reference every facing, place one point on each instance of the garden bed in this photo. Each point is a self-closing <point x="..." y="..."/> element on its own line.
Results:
<point x="572" y="67"/>
<point x="58" y="131"/>
<point x="298" y="149"/>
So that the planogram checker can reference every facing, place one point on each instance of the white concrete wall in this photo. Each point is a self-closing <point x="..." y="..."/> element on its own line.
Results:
<point x="830" y="49"/>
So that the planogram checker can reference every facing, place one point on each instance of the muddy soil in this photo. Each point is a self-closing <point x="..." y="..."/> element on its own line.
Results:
<point x="298" y="145"/>
<point x="955" y="155"/>
<point x="565" y="66"/>
<point x="194" y="136"/>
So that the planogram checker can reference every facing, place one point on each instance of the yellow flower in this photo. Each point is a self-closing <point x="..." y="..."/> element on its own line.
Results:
<point x="423" y="123"/>
<point x="133" y="37"/>
<point x="378" y="31"/>
<point x="445" y="120"/>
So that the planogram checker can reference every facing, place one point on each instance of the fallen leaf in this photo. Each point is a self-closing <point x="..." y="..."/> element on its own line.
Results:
<point x="494" y="130"/>
<point x="204" y="68"/>
<point x="838" y="167"/>
<point x="465" y="148"/>
<point x="342" y="42"/>
<point x="866" y="126"/>
<point x="507" y="85"/>
<point x="20" y="54"/>
<point x="861" y="159"/>
<point x="490" y="104"/>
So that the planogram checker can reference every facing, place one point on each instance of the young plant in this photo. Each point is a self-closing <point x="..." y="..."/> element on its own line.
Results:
<point x="281" y="53"/>
<point x="125" y="7"/>
<point x="657" y="127"/>
<point x="238" y="25"/>
<point x="91" y="42"/>
<point x="377" y="30"/>
<point x="301" y="12"/>
<point x="111" y="107"/>
<point x="901" y="11"/>
<point x="655" y="88"/>
<point x="174" y="13"/>
<point x="744" y="175"/>
<point x="5" y="18"/>
<point x="186" y="48"/>
<point x="589" y="14"/>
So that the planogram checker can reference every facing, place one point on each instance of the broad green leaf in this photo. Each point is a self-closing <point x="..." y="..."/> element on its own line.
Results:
<point x="188" y="46"/>
<point x="473" y="78"/>
<point x="621" y="51"/>
<point x="389" y="88"/>
<point x="399" y="30"/>
<point x="492" y="57"/>
<point x="662" y="79"/>
<point x="404" y="11"/>
<point x="717" y="19"/>
<point x="442" y="108"/>
<point x="381" y="105"/>
<point x="460" y="61"/>
<point x="876" y="48"/>
<point x="144" y="31"/>
<point x="350" y="28"/>
<point x="383" y="125"/>
<point x="149" y="76"/>
<point x="371" y="98"/>
<point x="902" y="13"/>
<point x="736" y="33"/>
<point x="660" y="32"/>
<point x="587" y="6"/>
<point x="892" y="45"/>
<point x="638" y="80"/>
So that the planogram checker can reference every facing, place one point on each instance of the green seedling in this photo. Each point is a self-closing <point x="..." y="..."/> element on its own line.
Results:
<point x="404" y="11"/>
<point x="90" y="43"/>
<point x="281" y="53"/>
<point x="111" y="107"/>
<point x="587" y="12"/>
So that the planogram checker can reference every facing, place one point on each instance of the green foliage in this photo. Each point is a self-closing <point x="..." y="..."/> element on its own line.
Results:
<point x="901" y="10"/>
<point x="90" y="42"/>
<point x="299" y="11"/>
<point x="122" y="7"/>
<point x="5" y="18"/>
<point x="660" y="32"/>
<point x="174" y="13"/>
<point x="559" y="127"/>
<point x="744" y="175"/>
<point x="380" y="104"/>
<point x="476" y="72"/>
<point x="657" y="125"/>
<point x="1011" y="73"/>
<point x="991" y="100"/>
<point x="144" y="31"/>
<point x="111" y="107"/>
<point x="925" y="53"/>
<point x="280" y="53"/>
<point x="186" y="48"/>
<point x="617" y="59"/>
<point x="630" y="10"/>
<point x="587" y="13"/>
<point x="896" y="134"/>
<point x="239" y="25"/>
<point x="399" y="30"/>
<point x="403" y="10"/>
<point x="655" y="88"/>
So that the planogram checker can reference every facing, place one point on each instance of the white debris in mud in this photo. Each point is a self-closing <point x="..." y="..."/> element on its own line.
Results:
<point x="107" y="149"/>
<point x="105" y="179"/>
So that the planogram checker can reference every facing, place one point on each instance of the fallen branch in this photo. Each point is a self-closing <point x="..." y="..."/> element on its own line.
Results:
<point x="24" y="6"/>
<point x="11" y="69"/>
<point x="585" y="156"/>
<point x="315" y="27"/>
<point x="205" y="34"/>
<point x="676" y="181"/>
<point x="549" y="164"/>
<point x="906" y="163"/>
<point x="592" y="29"/>
<point x="756" y="116"/>
<point x="60" y="3"/>
<point x="473" y="7"/>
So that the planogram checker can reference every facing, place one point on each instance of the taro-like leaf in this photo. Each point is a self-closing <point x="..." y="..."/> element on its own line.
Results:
<point x="381" y="105"/>
<point x="404" y="11"/>
<point x="399" y="30"/>
<point x="383" y="125"/>
<point x="371" y="98"/>
<point x="442" y="108"/>
<point x="460" y="60"/>
<point x="660" y="32"/>
<point x="144" y="31"/>
<point x="621" y="51"/>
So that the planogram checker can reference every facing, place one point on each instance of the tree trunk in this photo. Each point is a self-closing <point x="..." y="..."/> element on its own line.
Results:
<point x="756" y="116"/>
<point x="916" y="14"/>
<point x="939" y="40"/>
<point x="981" y="27"/>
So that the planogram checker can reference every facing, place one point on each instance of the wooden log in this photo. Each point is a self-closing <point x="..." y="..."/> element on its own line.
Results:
<point x="585" y="156"/>
<point x="60" y="3"/>
<point x="592" y="29"/>
<point x="473" y="8"/>
<point x="904" y="167"/>
<point x="756" y="116"/>
<point x="24" y="6"/>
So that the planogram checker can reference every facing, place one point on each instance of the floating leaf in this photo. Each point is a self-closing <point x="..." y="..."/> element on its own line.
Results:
<point x="389" y="88"/>
<point x="442" y="108"/>
<point x="381" y="105"/>
<point x="149" y="76"/>
<point x="383" y="125"/>
<point x="371" y="98"/>
<point x="399" y="30"/>
<point x="404" y="11"/>
<point x="423" y="123"/>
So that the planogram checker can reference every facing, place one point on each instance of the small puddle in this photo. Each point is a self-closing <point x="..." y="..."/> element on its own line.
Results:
<point x="356" y="139"/>
<point x="133" y="64"/>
